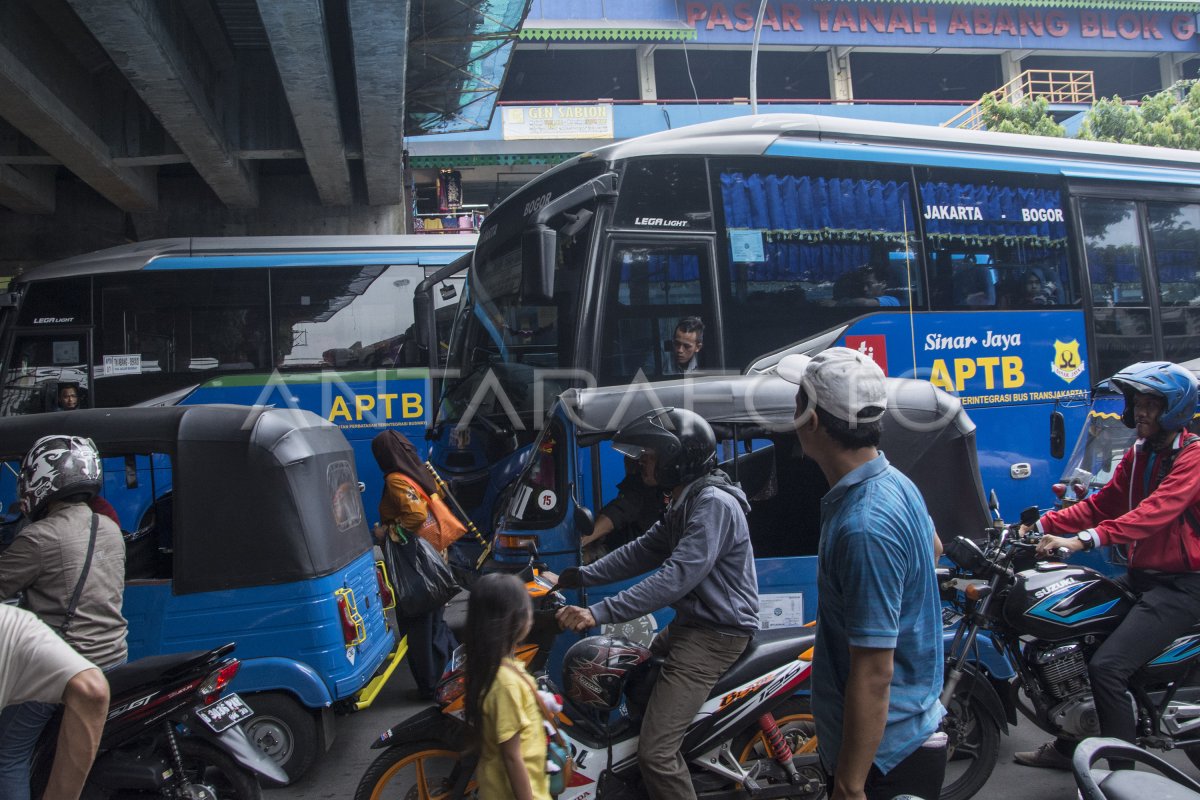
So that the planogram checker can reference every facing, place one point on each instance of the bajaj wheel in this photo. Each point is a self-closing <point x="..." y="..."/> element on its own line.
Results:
<point x="973" y="747"/>
<point x="795" y="721"/>
<point x="418" y="771"/>
<point x="210" y="766"/>
<point x="284" y="730"/>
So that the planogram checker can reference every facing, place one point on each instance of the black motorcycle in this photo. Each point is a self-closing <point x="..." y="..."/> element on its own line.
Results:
<point x="1048" y="618"/>
<point x="171" y="732"/>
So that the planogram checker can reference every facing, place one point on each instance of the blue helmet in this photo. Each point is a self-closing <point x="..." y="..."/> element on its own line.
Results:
<point x="1171" y="382"/>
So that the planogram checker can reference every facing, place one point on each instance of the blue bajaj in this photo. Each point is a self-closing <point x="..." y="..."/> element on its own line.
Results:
<point x="258" y="537"/>
<point x="572" y="472"/>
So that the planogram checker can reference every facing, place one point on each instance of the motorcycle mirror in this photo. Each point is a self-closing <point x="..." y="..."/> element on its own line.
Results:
<point x="994" y="505"/>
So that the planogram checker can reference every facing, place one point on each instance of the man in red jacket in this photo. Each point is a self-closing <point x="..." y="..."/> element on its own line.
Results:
<point x="1151" y="505"/>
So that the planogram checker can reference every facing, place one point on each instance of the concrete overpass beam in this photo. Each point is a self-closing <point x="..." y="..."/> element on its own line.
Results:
<point x="175" y="81"/>
<point x="51" y="99"/>
<point x="26" y="189"/>
<point x="379" y="29"/>
<point x="296" y="31"/>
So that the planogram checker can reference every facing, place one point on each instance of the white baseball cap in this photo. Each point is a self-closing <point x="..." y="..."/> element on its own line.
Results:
<point x="844" y="382"/>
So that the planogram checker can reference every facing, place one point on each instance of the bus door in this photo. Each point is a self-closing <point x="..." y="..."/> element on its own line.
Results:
<point x="43" y="361"/>
<point x="650" y="285"/>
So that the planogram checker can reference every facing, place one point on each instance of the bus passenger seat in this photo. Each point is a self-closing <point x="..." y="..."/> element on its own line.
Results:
<point x="973" y="286"/>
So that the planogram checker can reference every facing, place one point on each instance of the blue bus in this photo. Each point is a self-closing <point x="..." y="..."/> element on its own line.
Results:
<point x="1012" y="271"/>
<point x="320" y="323"/>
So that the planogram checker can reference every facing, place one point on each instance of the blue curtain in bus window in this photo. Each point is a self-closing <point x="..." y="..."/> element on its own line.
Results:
<point x="950" y="216"/>
<point x="836" y="218"/>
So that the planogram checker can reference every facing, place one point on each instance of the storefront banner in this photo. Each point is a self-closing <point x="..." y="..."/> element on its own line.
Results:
<point x="593" y="121"/>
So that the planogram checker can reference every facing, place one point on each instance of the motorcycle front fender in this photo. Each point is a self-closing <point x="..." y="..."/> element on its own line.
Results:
<point x="236" y="743"/>
<point x="980" y="689"/>
<point x="428" y="724"/>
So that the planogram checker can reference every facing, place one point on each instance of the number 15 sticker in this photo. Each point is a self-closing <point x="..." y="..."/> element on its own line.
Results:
<point x="547" y="500"/>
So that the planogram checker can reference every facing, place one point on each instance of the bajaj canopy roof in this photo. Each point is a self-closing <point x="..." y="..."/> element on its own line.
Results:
<point x="260" y="496"/>
<point x="926" y="433"/>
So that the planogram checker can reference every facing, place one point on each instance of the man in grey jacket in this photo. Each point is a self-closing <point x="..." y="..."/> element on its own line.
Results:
<point x="70" y="563"/>
<point x="705" y="563"/>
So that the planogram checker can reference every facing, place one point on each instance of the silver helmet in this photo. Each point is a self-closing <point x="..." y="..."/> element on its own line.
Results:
<point x="56" y="467"/>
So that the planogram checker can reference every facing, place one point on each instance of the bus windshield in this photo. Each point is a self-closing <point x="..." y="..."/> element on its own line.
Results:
<point x="509" y="355"/>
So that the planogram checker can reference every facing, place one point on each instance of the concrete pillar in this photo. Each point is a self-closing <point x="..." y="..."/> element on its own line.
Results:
<point x="647" y="85"/>
<point x="841" y="87"/>
<point x="1169" y="70"/>
<point x="1010" y="64"/>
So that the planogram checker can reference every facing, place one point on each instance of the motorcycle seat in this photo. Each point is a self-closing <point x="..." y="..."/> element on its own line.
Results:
<point x="768" y="650"/>
<point x="1126" y="784"/>
<point x="160" y="670"/>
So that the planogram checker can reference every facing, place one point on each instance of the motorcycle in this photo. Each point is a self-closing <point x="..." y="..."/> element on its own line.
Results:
<point x="752" y="738"/>
<point x="1099" y="784"/>
<point x="1048" y="618"/>
<point x="171" y="732"/>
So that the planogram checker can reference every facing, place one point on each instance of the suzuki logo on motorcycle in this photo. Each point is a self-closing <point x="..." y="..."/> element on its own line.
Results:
<point x="1054" y="587"/>
<point x="119" y="710"/>
<point x="1059" y="609"/>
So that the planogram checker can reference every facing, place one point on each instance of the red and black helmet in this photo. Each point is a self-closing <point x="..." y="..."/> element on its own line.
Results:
<point x="595" y="670"/>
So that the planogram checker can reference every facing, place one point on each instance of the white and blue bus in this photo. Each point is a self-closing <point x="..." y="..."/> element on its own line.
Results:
<point x="321" y="323"/>
<point x="1012" y="271"/>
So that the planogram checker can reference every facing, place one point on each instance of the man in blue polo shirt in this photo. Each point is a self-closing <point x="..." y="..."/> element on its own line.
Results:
<point x="877" y="670"/>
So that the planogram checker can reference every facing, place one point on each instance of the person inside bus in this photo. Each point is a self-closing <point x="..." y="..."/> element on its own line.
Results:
<point x="1150" y="504"/>
<point x="863" y="286"/>
<point x="685" y="347"/>
<point x="68" y="396"/>
<point x="627" y="516"/>
<point x="705" y="572"/>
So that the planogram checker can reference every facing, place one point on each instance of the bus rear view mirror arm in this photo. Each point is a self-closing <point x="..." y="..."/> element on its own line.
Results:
<point x="539" y="244"/>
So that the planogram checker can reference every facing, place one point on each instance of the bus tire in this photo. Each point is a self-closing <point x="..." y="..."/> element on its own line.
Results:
<point x="285" y="730"/>
<point x="395" y="772"/>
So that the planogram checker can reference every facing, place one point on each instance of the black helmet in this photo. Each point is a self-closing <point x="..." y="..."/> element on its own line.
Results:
<point x="57" y="467"/>
<point x="595" y="670"/>
<point x="682" y="440"/>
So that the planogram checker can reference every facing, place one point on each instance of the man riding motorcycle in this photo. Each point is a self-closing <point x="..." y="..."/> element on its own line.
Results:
<point x="704" y="566"/>
<point x="1152" y="505"/>
<point x="70" y="563"/>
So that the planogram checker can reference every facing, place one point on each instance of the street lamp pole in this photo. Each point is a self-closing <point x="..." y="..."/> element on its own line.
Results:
<point x="762" y="10"/>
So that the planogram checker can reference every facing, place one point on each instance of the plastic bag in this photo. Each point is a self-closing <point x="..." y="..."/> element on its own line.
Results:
<point x="420" y="577"/>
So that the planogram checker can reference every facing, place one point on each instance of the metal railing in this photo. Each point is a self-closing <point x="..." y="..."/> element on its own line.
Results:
<point x="1063" y="86"/>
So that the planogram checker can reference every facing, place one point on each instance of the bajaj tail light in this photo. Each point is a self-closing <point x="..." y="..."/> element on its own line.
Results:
<point x="217" y="680"/>
<point x="387" y="595"/>
<point x="1060" y="490"/>
<point x="353" y="630"/>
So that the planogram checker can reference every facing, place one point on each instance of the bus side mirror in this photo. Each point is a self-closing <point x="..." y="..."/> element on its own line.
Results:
<point x="1058" y="435"/>
<point x="539" y="251"/>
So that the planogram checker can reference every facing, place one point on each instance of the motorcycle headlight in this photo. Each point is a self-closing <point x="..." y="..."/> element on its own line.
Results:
<point x="965" y="554"/>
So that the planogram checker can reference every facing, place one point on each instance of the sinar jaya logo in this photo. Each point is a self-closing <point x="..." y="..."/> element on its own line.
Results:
<point x="1068" y="364"/>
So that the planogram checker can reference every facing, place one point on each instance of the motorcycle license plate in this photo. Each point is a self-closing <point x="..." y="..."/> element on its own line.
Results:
<point x="225" y="713"/>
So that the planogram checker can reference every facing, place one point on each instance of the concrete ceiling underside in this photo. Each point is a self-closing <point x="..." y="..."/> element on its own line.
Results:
<point x="113" y="91"/>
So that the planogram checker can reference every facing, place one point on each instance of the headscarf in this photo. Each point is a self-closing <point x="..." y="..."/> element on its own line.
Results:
<point x="395" y="453"/>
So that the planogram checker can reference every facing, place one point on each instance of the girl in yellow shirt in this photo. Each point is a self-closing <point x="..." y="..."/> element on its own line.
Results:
<point x="501" y="703"/>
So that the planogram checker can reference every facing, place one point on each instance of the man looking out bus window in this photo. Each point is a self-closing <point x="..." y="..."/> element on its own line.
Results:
<point x="68" y="397"/>
<point x="685" y="346"/>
